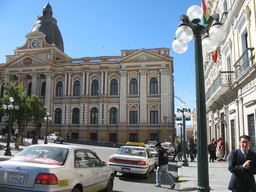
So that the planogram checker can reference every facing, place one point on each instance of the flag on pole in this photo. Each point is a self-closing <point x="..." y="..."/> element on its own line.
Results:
<point x="163" y="129"/>
<point x="21" y="84"/>
<point x="215" y="55"/>
<point x="206" y="14"/>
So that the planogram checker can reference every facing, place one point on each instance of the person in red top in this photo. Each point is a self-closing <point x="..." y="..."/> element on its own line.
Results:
<point x="220" y="149"/>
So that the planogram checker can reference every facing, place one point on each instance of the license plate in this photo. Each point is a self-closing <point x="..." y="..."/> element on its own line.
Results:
<point x="16" y="178"/>
<point x="126" y="170"/>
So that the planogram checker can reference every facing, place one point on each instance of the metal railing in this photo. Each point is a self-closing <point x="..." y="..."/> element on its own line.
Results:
<point x="242" y="65"/>
<point x="225" y="78"/>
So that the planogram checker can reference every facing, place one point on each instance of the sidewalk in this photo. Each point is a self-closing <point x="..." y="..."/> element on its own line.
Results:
<point x="14" y="151"/>
<point x="219" y="176"/>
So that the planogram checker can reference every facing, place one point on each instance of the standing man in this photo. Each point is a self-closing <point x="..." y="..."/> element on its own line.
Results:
<point x="163" y="166"/>
<point x="242" y="165"/>
<point x="212" y="151"/>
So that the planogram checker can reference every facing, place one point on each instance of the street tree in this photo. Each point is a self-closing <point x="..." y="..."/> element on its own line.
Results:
<point x="30" y="108"/>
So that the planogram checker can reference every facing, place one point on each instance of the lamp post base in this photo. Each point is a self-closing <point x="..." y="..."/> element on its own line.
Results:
<point x="7" y="152"/>
<point x="184" y="163"/>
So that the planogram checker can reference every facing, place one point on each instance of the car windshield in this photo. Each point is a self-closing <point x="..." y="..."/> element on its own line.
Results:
<point x="42" y="154"/>
<point x="131" y="151"/>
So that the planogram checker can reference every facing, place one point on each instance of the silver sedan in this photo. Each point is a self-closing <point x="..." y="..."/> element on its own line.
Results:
<point x="55" y="167"/>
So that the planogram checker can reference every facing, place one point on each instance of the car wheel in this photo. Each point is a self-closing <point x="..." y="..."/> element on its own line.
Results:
<point x="53" y="141"/>
<point x="110" y="184"/>
<point x="145" y="176"/>
<point x="76" y="190"/>
<point x="152" y="168"/>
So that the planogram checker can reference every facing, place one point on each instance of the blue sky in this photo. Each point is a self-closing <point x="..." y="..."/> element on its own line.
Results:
<point x="103" y="28"/>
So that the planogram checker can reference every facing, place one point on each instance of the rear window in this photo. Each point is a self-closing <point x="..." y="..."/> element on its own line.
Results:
<point x="131" y="151"/>
<point x="42" y="154"/>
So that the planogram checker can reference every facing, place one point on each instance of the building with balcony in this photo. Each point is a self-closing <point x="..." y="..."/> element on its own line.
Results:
<point x="230" y="78"/>
<point x="105" y="99"/>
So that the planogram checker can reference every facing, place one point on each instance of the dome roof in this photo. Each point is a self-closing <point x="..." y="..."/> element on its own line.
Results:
<point x="48" y="25"/>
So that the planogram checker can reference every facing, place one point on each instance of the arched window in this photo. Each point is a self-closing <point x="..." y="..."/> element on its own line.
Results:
<point x="59" y="89"/>
<point x="94" y="116"/>
<point x="29" y="89"/>
<point x="113" y="87"/>
<point x="76" y="88"/>
<point x="133" y="86"/>
<point x="58" y="114"/>
<point x="153" y="86"/>
<point x="113" y="116"/>
<point x="43" y="88"/>
<point x="75" y="116"/>
<point x="95" y="87"/>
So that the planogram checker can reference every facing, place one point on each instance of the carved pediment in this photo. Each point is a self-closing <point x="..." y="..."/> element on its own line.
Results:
<point x="25" y="61"/>
<point x="143" y="55"/>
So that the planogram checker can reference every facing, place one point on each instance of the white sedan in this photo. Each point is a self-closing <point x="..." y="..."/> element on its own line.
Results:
<point x="132" y="159"/>
<point x="55" y="167"/>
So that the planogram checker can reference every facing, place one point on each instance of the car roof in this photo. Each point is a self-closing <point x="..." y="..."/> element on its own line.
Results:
<point x="61" y="146"/>
<point x="135" y="144"/>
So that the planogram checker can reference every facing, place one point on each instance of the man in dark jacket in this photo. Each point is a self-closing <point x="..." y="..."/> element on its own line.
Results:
<point x="177" y="151"/>
<point x="163" y="167"/>
<point x="242" y="165"/>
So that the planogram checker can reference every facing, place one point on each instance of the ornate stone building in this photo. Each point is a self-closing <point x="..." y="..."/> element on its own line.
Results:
<point x="104" y="99"/>
<point x="231" y="80"/>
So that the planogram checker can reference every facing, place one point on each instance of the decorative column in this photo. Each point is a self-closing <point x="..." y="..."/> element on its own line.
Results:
<point x="83" y="84"/>
<point x="143" y="97"/>
<point x="123" y="87"/>
<point x="65" y="86"/>
<point x="35" y="85"/>
<point x="87" y="85"/>
<point x="48" y="93"/>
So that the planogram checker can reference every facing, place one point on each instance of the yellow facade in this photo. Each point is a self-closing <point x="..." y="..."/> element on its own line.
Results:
<point x="97" y="99"/>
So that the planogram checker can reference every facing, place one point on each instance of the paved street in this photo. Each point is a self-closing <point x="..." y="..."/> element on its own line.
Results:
<point x="187" y="176"/>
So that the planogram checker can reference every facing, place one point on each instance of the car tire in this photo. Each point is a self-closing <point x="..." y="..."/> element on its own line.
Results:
<point x="53" y="141"/>
<point x="76" y="190"/>
<point x="145" y="176"/>
<point x="110" y="184"/>
<point x="152" y="169"/>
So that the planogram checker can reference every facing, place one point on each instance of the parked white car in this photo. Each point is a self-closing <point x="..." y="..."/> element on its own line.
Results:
<point x="132" y="160"/>
<point x="169" y="147"/>
<point x="55" y="168"/>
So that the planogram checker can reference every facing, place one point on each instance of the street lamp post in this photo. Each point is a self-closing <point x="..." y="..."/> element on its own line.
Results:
<point x="190" y="26"/>
<point x="164" y="117"/>
<point x="184" y="112"/>
<point x="47" y="118"/>
<point x="10" y="108"/>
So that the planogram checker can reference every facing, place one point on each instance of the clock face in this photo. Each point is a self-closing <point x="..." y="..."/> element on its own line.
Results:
<point x="35" y="43"/>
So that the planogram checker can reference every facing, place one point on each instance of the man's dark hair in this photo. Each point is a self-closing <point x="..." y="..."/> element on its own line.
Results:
<point x="158" y="145"/>
<point x="245" y="137"/>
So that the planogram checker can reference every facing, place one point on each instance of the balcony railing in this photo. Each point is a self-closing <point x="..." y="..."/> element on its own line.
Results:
<point x="224" y="79"/>
<point x="243" y="64"/>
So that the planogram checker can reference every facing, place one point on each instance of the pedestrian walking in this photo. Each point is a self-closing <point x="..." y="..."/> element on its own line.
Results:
<point x="177" y="151"/>
<point x="163" y="167"/>
<point x="242" y="165"/>
<point x="212" y="151"/>
<point x="191" y="149"/>
<point x="3" y="133"/>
